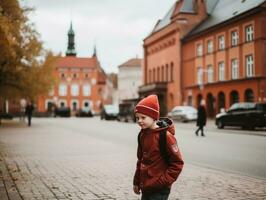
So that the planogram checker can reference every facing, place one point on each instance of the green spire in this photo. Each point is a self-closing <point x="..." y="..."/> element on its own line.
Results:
<point x="71" y="42"/>
<point x="94" y="52"/>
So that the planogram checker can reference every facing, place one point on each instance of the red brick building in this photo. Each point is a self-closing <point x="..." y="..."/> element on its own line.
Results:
<point x="81" y="82"/>
<point x="207" y="49"/>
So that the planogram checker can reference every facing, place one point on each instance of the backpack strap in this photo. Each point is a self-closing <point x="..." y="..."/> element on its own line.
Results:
<point x="139" y="138"/>
<point x="163" y="146"/>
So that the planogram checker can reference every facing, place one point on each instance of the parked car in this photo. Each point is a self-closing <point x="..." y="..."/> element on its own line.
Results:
<point x="109" y="112"/>
<point x="84" y="112"/>
<point x="126" y="112"/>
<point x="246" y="115"/>
<point x="62" y="112"/>
<point x="183" y="113"/>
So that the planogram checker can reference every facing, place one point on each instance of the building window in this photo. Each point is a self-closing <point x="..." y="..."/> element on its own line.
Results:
<point x="167" y="72"/>
<point x="249" y="33"/>
<point x="199" y="50"/>
<point x="221" y="71"/>
<point x="150" y="76"/>
<point x="62" y="75"/>
<point x="86" y="90"/>
<point x="234" y="38"/>
<point x="74" y="90"/>
<point x="221" y="42"/>
<point x="154" y="75"/>
<point x="199" y="76"/>
<point x="74" y="105"/>
<point x="249" y="66"/>
<point x="210" y="73"/>
<point x="158" y="74"/>
<point x="172" y="72"/>
<point x="163" y="79"/>
<point x="62" y="90"/>
<point x="234" y="68"/>
<point x="210" y="46"/>
<point x="249" y="95"/>
<point x="86" y="76"/>
<point x="75" y="76"/>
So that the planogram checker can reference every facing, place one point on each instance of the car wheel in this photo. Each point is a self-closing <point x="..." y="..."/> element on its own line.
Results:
<point x="220" y="124"/>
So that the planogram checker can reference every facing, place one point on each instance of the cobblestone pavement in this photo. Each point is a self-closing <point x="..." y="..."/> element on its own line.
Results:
<point x="52" y="162"/>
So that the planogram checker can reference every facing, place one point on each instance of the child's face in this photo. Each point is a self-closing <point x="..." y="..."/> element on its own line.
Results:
<point x="144" y="121"/>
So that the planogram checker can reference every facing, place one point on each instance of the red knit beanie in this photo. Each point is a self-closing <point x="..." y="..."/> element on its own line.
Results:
<point x="149" y="106"/>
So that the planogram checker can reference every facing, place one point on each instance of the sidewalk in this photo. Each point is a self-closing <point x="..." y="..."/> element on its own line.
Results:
<point x="48" y="163"/>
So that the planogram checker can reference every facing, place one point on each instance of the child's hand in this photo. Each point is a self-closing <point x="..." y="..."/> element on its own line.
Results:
<point x="136" y="189"/>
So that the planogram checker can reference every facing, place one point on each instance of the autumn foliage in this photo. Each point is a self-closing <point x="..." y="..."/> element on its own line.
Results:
<point x="25" y="67"/>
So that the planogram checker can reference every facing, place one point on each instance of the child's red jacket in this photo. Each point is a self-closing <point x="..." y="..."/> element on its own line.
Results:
<point x="152" y="172"/>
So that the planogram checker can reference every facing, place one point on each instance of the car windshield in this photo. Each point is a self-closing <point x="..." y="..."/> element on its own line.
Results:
<point x="184" y="109"/>
<point x="111" y="108"/>
<point x="262" y="107"/>
<point x="239" y="106"/>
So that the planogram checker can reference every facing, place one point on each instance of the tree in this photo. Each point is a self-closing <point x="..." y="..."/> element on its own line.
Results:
<point x="25" y="67"/>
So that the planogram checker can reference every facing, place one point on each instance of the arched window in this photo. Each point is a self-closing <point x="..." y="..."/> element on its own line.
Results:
<point x="199" y="98"/>
<point x="163" y="78"/>
<point x="172" y="71"/>
<point x="167" y="72"/>
<point x="234" y="97"/>
<point x="249" y="95"/>
<point x="154" y="75"/>
<point x="210" y="105"/>
<point x="158" y="74"/>
<point x="221" y="101"/>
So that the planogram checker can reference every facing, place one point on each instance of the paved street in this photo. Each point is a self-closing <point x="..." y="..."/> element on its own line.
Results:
<point x="92" y="159"/>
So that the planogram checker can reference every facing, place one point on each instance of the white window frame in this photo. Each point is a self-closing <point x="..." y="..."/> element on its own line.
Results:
<point x="221" y="42"/>
<point x="86" y="90"/>
<point x="249" y="32"/>
<point x="234" y="68"/>
<point x="75" y="90"/>
<point x="62" y="90"/>
<point x="209" y="46"/>
<point x="221" y="67"/>
<point x="249" y="66"/>
<point x="210" y="73"/>
<point x="199" y="50"/>
<point x="234" y="38"/>
<point x="199" y="75"/>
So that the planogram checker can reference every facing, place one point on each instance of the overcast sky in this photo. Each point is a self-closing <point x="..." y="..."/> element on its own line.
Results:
<point x="118" y="27"/>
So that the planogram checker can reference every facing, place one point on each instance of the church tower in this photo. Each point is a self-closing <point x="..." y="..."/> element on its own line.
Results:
<point x="71" y="42"/>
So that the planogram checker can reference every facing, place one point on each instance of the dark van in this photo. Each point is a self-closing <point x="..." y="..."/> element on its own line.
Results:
<point x="246" y="115"/>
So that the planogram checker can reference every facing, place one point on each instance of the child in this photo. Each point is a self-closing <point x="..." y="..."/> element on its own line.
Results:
<point x="154" y="174"/>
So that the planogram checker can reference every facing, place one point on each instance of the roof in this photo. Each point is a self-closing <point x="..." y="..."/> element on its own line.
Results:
<point x="134" y="62"/>
<point x="225" y="10"/>
<point x="73" y="61"/>
<point x="217" y="10"/>
<point x="187" y="7"/>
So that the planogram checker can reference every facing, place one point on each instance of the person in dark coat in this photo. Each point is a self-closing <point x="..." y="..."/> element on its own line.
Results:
<point x="28" y="112"/>
<point x="201" y="119"/>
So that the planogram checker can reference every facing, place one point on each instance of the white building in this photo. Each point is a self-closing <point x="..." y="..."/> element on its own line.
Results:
<point x="129" y="79"/>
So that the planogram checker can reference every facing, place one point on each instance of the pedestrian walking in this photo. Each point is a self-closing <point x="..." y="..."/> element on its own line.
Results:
<point x="201" y="119"/>
<point x="159" y="159"/>
<point x="28" y="111"/>
<point x="23" y="104"/>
